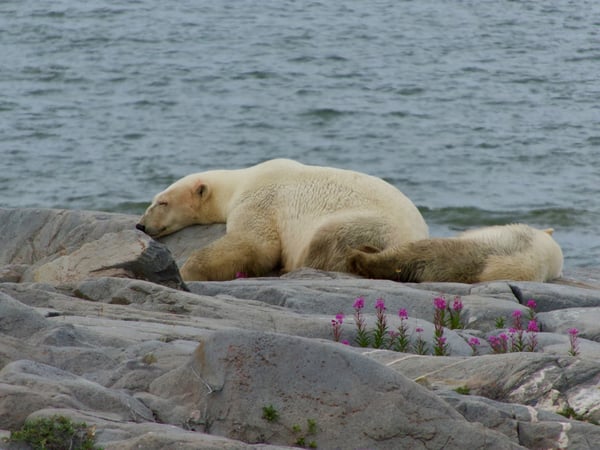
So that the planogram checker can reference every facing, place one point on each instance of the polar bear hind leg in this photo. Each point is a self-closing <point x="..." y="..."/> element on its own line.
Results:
<point x="337" y="239"/>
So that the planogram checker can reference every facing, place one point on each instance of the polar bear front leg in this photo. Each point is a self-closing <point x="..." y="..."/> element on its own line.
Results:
<point x="230" y="255"/>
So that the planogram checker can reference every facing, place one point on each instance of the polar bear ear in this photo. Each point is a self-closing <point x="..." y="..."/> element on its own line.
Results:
<point x="201" y="189"/>
<point x="549" y="231"/>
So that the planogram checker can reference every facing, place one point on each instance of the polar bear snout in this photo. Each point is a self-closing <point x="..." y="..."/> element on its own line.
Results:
<point x="140" y="227"/>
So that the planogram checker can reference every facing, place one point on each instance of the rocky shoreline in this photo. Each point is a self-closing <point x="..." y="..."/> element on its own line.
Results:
<point x="97" y="325"/>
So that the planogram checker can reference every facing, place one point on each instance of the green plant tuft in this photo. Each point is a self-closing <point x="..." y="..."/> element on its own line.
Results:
<point x="149" y="358"/>
<point x="56" y="433"/>
<point x="463" y="390"/>
<point x="311" y="426"/>
<point x="270" y="413"/>
<point x="311" y="429"/>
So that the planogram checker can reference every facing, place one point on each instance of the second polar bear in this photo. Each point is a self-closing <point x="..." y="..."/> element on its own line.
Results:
<point x="282" y="214"/>
<point x="511" y="252"/>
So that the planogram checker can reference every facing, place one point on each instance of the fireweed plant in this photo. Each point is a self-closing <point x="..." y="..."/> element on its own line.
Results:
<point x="446" y="315"/>
<point x="400" y="338"/>
<point x="336" y="324"/>
<point x="518" y="338"/>
<point x="420" y="347"/>
<point x="362" y="336"/>
<point x="440" y="347"/>
<point x="573" y="343"/>
<point x="380" y="331"/>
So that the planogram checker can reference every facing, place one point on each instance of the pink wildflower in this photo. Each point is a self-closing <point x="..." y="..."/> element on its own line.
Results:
<point x="573" y="333"/>
<point x="531" y="304"/>
<point x="457" y="305"/>
<point x="359" y="303"/>
<point x="380" y="304"/>
<point x="517" y="314"/>
<point x="439" y="303"/>
<point x="473" y="341"/>
<point x="403" y="314"/>
<point x="532" y="326"/>
<point x="336" y="325"/>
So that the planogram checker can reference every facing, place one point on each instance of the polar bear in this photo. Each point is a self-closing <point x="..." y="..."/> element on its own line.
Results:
<point x="284" y="215"/>
<point x="510" y="252"/>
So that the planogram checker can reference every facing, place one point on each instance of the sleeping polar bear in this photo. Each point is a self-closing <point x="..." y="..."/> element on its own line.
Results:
<point x="283" y="214"/>
<point x="511" y="252"/>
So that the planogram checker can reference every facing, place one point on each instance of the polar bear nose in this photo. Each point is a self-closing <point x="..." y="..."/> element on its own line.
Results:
<point x="140" y="227"/>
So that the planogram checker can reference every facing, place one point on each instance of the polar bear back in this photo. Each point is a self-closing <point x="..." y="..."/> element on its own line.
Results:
<point x="301" y="194"/>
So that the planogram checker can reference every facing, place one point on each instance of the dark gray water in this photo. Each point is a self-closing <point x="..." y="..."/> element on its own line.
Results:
<point x="482" y="112"/>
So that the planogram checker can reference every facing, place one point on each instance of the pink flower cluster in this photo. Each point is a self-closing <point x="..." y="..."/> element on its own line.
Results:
<point x="518" y="339"/>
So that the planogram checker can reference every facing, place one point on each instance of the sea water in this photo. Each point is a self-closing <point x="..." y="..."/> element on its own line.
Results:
<point x="481" y="112"/>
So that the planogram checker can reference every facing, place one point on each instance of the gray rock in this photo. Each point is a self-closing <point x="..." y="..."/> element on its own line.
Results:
<point x="117" y="435"/>
<point x="545" y="381"/>
<point x="18" y="320"/>
<point x="128" y="253"/>
<point x="550" y="297"/>
<point x="30" y="236"/>
<point x="120" y="353"/>
<point x="38" y="245"/>
<point x="33" y="386"/>
<point x="531" y="427"/>
<point x="353" y="401"/>
<point x="12" y="273"/>
<point x="585" y="320"/>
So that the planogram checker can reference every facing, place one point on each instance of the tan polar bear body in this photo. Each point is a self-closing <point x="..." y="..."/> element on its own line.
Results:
<point x="511" y="252"/>
<point x="282" y="214"/>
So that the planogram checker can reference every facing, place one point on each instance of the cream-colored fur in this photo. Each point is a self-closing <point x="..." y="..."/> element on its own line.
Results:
<point x="510" y="252"/>
<point x="283" y="214"/>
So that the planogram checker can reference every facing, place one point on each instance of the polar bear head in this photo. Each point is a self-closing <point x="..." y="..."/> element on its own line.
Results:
<point x="189" y="201"/>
